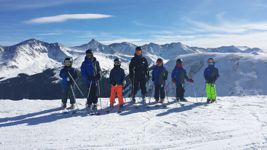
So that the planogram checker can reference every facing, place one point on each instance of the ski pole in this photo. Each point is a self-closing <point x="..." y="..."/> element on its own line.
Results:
<point x="166" y="93"/>
<point x="72" y="92"/>
<point x="99" y="94"/>
<point x="133" y="87"/>
<point x="75" y="83"/>
<point x="194" y="89"/>
<point x="89" y="90"/>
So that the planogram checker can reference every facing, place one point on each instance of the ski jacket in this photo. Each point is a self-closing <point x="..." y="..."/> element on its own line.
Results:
<point x="211" y="74"/>
<point x="117" y="76"/>
<point x="159" y="75"/>
<point x="67" y="75"/>
<point x="90" y="70"/>
<point x="138" y="68"/>
<point x="179" y="75"/>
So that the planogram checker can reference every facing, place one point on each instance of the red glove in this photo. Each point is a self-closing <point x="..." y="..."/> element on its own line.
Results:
<point x="191" y="80"/>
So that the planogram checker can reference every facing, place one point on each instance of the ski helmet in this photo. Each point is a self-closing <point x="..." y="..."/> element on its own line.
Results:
<point x="138" y="48"/>
<point x="117" y="62"/>
<point x="159" y="61"/>
<point x="179" y="61"/>
<point x="89" y="51"/>
<point x="68" y="61"/>
<point x="211" y="61"/>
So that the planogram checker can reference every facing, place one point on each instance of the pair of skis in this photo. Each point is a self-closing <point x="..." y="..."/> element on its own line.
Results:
<point x="112" y="109"/>
<point x="69" y="111"/>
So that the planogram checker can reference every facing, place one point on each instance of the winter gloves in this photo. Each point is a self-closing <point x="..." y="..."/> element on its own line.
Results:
<point x="190" y="80"/>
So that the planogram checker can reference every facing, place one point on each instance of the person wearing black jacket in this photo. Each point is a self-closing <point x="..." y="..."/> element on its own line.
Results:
<point x="68" y="74"/>
<point x="139" y="73"/>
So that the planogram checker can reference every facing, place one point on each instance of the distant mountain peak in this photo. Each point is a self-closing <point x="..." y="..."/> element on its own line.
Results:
<point x="31" y="41"/>
<point x="93" y="41"/>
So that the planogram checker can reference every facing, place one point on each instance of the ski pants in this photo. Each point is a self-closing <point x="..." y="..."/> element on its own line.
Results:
<point x="180" y="91"/>
<point x="116" y="91"/>
<point x="92" y="97"/>
<point x="139" y="84"/>
<point x="211" y="91"/>
<point x="68" y="92"/>
<point x="159" y="92"/>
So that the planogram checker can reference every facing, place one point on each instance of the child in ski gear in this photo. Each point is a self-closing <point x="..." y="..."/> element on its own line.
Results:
<point x="90" y="70"/>
<point x="159" y="76"/>
<point x="139" y="73"/>
<point x="68" y="74"/>
<point x="117" y="77"/>
<point x="179" y="76"/>
<point x="211" y="74"/>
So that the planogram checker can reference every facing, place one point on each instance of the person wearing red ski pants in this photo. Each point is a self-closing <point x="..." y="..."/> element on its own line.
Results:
<point x="116" y="91"/>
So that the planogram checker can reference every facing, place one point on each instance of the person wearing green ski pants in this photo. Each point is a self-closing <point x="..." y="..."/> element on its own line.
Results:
<point x="211" y="91"/>
<point x="211" y="74"/>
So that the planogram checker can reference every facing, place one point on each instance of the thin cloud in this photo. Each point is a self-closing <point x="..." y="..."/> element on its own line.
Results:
<point x="66" y="17"/>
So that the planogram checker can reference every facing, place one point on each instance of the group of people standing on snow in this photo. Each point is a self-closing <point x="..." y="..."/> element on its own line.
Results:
<point x="139" y="76"/>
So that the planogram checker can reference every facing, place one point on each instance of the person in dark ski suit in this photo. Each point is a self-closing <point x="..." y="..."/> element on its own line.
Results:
<point x="179" y="76"/>
<point x="90" y="70"/>
<point x="117" y="78"/>
<point x="139" y="73"/>
<point x="159" y="76"/>
<point x="211" y="74"/>
<point x="68" y="74"/>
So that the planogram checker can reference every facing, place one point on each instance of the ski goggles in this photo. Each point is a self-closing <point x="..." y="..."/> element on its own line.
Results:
<point x="117" y="63"/>
<point x="211" y="63"/>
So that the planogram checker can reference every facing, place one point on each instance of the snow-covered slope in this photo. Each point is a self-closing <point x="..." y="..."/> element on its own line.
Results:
<point x="30" y="57"/>
<point x="233" y="123"/>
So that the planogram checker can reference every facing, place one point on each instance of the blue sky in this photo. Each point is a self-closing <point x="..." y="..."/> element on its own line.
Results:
<point x="206" y="23"/>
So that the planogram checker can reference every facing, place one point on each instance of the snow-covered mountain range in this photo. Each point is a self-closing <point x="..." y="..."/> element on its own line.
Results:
<point x="242" y="69"/>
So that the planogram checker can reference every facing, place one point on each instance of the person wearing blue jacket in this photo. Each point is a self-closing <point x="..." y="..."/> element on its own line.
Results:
<point x="179" y="76"/>
<point x="68" y="74"/>
<point x="90" y="70"/>
<point x="117" y="78"/>
<point x="159" y="77"/>
<point x="211" y="74"/>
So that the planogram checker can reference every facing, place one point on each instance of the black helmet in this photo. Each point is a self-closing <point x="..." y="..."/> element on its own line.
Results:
<point x="117" y="62"/>
<point x="89" y="51"/>
<point x="159" y="60"/>
<point x="138" y="48"/>
<point x="179" y="61"/>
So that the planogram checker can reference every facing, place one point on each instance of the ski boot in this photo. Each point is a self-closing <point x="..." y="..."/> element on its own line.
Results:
<point x="133" y="100"/>
<point x="120" y="108"/>
<point x="143" y="99"/>
<point x="63" y="106"/>
<point x="183" y="99"/>
<point x="72" y="106"/>
<point x="94" y="110"/>
<point x="111" y="107"/>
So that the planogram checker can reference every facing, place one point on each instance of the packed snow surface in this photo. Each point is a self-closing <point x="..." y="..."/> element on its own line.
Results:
<point x="230" y="123"/>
